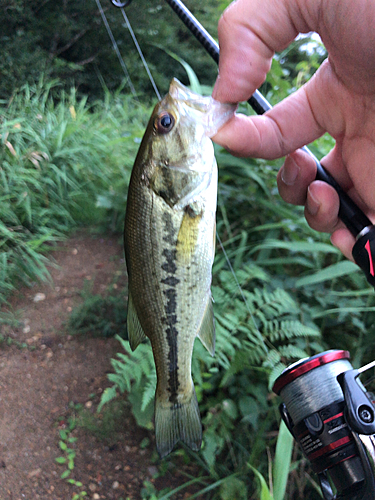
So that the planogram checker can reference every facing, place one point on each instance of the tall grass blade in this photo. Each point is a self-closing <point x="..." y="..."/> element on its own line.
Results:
<point x="329" y="273"/>
<point x="264" y="493"/>
<point x="282" y="461"/>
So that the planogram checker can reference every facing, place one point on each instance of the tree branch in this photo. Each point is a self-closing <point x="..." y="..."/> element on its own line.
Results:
<point x="71" y="42"/>
<point x="88" y="60"/>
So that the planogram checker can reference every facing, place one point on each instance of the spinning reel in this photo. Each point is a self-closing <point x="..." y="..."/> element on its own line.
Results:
<point x="332" y="417"/>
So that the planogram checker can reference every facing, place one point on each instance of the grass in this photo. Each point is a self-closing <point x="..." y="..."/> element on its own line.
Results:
<point x="62" y="162"/>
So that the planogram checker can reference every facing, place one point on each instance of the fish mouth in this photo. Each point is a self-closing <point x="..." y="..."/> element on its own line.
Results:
<point x="204" y="110"/>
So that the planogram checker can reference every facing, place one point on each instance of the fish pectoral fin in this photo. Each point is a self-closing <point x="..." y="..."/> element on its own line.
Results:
<point x="207" y="329"/>
<point x="179" y="422"/>
<point x="136" y="335"/>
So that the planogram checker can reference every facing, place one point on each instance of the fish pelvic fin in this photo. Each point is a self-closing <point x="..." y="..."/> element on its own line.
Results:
<point x="178" y="422"/>
<point x="136" y="335"/>
<point x="206" y="331"/>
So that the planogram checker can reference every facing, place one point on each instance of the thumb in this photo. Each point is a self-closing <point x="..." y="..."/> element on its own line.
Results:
<point x="297" y="120"/>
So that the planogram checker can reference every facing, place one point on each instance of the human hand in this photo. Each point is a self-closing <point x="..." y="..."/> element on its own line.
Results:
<point x="339" y="99"/>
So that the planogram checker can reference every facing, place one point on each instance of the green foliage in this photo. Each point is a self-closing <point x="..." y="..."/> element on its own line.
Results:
<point x="71" y="43"/>
<point x="283" y="455"/>
<point x="57" y="159"/>
<point x="99" y="316"/>
<point x="264" y="492"/>
<point x="134" y="373"/>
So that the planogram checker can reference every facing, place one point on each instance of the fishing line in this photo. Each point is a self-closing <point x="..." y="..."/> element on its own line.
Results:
<point x="240" y="290"/>
<point x="115" y="46"/>
<point x="314" y="390"/>
<point x="140" y="54"/>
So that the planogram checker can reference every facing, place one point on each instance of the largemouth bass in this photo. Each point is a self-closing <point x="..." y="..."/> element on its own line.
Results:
<point x="169" y="250"/>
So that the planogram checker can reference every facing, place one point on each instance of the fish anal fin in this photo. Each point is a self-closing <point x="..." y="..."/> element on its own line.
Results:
<point x="178" y="422"/>
<point x="207" y="328"/>
<point x="136" y="335"/>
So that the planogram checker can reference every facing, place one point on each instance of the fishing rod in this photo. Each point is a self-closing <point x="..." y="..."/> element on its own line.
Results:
<point x="353" y="217"/>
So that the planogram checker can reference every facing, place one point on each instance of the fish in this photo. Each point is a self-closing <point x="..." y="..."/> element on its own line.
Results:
<point x="169" y="240"/>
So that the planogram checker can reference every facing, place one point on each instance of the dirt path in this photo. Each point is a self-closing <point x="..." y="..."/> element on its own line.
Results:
<point x="40" y="385"/>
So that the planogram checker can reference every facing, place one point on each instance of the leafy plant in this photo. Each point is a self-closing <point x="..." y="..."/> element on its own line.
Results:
<point x="69" y="454"/>
<point x="135" y="374"/>
<point x="99" y="316"/>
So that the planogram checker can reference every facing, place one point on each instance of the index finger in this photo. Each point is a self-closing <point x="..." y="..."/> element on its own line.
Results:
<point x="249" y="34"/>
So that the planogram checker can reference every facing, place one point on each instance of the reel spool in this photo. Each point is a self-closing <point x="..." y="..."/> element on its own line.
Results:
<point x="330" y="415"/>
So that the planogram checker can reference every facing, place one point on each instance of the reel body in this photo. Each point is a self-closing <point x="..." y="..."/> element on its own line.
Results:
<point x="332" y="417"/>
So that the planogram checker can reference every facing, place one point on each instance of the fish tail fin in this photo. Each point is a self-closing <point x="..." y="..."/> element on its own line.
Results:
<point x="179" y="422"/>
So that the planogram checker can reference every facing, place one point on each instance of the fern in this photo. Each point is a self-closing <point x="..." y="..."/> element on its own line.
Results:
<point x="134" y="373"/>
<point x="148" y="392"/>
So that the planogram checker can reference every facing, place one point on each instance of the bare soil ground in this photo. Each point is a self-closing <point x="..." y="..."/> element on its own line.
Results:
<point x="45" y="372"/>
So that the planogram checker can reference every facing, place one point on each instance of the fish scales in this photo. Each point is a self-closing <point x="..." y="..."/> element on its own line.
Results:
<point x="169" y="249"/>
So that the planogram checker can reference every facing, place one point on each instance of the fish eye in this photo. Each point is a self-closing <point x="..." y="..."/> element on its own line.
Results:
<point x="164" y="123"/>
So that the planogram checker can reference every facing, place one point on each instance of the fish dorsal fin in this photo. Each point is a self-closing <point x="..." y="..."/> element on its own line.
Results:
<point x="207" y="329"/>
<point x="136" y="335"/>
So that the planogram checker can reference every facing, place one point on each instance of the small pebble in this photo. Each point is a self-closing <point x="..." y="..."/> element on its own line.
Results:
<point x="39" y="297"/>
<point x="115" y="485"/>
<point x="152" y="470"/>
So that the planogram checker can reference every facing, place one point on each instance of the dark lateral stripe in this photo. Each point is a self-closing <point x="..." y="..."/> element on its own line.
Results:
<point x="169" y="266"/>
<point x="172" y="333"/>
<point x="169" y="232"/>
<point x="171" y="281"/>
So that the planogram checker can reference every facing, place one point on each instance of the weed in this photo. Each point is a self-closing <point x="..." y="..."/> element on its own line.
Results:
<point x="68" y="453"/>
<point x="6" y="340"/>
<point x="99" y="316"/>
<point x="105" y="425"/>
<point x="59" y="160"/>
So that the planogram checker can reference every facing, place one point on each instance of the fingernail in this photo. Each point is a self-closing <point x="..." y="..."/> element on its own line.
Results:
<point x="312" y="204"/>
<point x="289" y="172"/>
